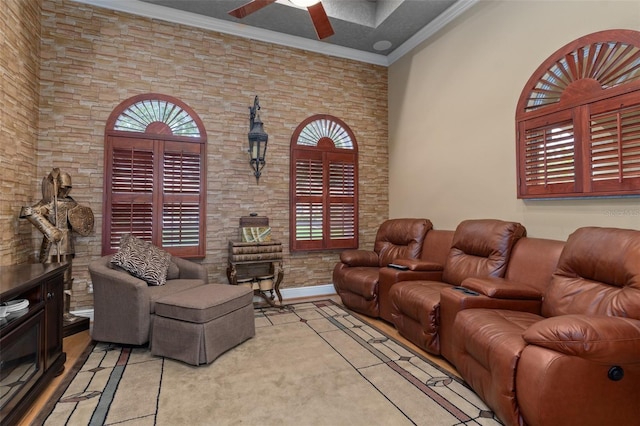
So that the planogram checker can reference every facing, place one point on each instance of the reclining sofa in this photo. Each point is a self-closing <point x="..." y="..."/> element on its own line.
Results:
<point x="550" y="338"/>
<point x="480" y="248"/>
<point x="567" y="354"/>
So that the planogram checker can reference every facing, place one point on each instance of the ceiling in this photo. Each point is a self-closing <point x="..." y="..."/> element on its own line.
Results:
<point x="374" y="31"/>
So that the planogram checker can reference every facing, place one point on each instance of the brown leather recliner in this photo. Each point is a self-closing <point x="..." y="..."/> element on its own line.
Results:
<point x="428" y="267"/>
<point x="355" y="277"/>
<point x="480" y="248"/>
<point x="577" y="361"/>
<point x="528" y="275"/>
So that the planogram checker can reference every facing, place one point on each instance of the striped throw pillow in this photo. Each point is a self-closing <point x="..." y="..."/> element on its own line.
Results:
<point x="142" y="260"/>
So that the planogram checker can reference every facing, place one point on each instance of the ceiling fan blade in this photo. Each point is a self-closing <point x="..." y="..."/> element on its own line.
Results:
<point x="252" y="6"/>
<point x="320" y="20"/>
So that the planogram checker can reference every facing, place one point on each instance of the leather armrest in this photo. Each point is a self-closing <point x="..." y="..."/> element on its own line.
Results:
<point x="602" y="339"/>
<point x="359" y="258"/>
<point x="419" y="265"/>
<point x="499" y="288"/>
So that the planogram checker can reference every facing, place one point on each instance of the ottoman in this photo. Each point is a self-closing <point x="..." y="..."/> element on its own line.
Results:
<point x="197" y="325"/>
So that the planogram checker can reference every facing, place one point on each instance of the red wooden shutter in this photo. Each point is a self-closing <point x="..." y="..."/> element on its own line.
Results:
<point x="308" y="200"/>
<point x="182" y="198"/>
<point x="614" y="148"/>
<point x="342" y="201"/>
<point x="547" y="158"/>
<point x="131" y="190"/>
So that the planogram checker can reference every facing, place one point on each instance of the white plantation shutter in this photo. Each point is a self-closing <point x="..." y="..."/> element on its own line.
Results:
<point x="324" y="210"/>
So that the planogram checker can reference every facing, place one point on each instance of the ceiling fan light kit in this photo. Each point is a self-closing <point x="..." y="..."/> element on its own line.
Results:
<point x="316" y="11"/>
<point x="304" y="3"/>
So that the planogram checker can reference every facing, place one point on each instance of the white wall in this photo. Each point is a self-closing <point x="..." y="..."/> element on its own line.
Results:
<point x="452" y="116"/>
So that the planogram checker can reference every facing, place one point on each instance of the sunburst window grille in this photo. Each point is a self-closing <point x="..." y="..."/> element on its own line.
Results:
<point x="609" y="63"/>
<point x="142" y="116"/>
<point x="322" y="128"/>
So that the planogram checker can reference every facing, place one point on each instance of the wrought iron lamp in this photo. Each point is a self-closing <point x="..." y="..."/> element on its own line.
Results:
<point x="257" y="140"/>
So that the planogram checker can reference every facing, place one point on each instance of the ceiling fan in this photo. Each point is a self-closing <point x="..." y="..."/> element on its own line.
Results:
<point x="315" y="8"/>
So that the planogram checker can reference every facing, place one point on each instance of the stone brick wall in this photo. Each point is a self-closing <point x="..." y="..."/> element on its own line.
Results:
<point x="91" y="59"/>
<point x="19" y="62"/>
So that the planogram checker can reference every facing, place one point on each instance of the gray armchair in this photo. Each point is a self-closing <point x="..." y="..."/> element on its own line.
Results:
<point x="124" y="306"/>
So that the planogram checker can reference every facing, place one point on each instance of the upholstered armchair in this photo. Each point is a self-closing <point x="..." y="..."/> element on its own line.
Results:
<point x="124" y="305"/>
<point x="355" y="277"/>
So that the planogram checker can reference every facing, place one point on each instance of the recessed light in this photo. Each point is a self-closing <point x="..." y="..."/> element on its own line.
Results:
<point x="382" y="45"/>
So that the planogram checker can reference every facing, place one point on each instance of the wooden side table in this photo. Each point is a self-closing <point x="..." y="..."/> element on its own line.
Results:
<point x="256" y="261"/>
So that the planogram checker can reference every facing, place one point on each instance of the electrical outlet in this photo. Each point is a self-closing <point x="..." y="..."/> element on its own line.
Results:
<point x="90" y="288"/>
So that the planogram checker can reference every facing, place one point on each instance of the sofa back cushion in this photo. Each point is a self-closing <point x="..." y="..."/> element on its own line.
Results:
<point x="598" y="274"/>
<point x="481" y="248"/>
<point x="400" y="238"/>
<point x="437" y="244"/>
<point x="533" y="261"/>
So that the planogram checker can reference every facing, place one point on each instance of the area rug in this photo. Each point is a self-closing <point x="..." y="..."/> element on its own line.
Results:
<point x="312" y="364"/>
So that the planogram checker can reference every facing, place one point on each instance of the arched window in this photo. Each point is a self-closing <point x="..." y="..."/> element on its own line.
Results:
<point x="324" y="185"/>
<point x="578" y="120"/>
<point x="155" y="175"/>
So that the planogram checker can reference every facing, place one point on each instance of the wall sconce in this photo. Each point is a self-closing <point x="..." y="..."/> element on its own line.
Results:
<point x="257" y="140"/>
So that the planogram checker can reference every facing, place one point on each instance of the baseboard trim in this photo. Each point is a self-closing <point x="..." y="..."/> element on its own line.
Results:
<point x="287" y="293"/>
<point x="311" y="291"/>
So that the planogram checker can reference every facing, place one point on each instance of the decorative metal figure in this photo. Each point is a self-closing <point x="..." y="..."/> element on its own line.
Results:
<point x="57" y="215"/>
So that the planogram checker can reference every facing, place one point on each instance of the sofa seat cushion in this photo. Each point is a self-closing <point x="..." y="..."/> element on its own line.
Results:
<point x="415" y="307"/>
<point x="488" y="344"/>
<point x="171" y="287"/>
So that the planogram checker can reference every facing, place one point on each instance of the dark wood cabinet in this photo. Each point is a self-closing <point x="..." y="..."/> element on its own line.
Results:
<point x="31" y="338"/>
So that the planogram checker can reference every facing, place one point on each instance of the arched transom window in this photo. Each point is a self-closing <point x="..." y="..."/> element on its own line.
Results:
<point x="155" y="177"/>
<point x="324" y="185"/>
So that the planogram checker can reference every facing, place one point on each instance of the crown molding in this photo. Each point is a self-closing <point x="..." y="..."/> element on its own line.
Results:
<point x="430" y="29"/>
<point x="164" y="13"/>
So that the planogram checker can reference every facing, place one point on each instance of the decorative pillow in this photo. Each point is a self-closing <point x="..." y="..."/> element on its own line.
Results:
<point x="142" y="260"/>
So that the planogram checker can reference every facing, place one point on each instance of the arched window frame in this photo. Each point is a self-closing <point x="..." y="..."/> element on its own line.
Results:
<point x="155" y="175"/>
<point x="323" y="185"/>
<point x="578" y="120"/>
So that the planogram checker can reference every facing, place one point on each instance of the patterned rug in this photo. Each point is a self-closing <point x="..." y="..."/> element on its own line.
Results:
<point x="314" y="364"/>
